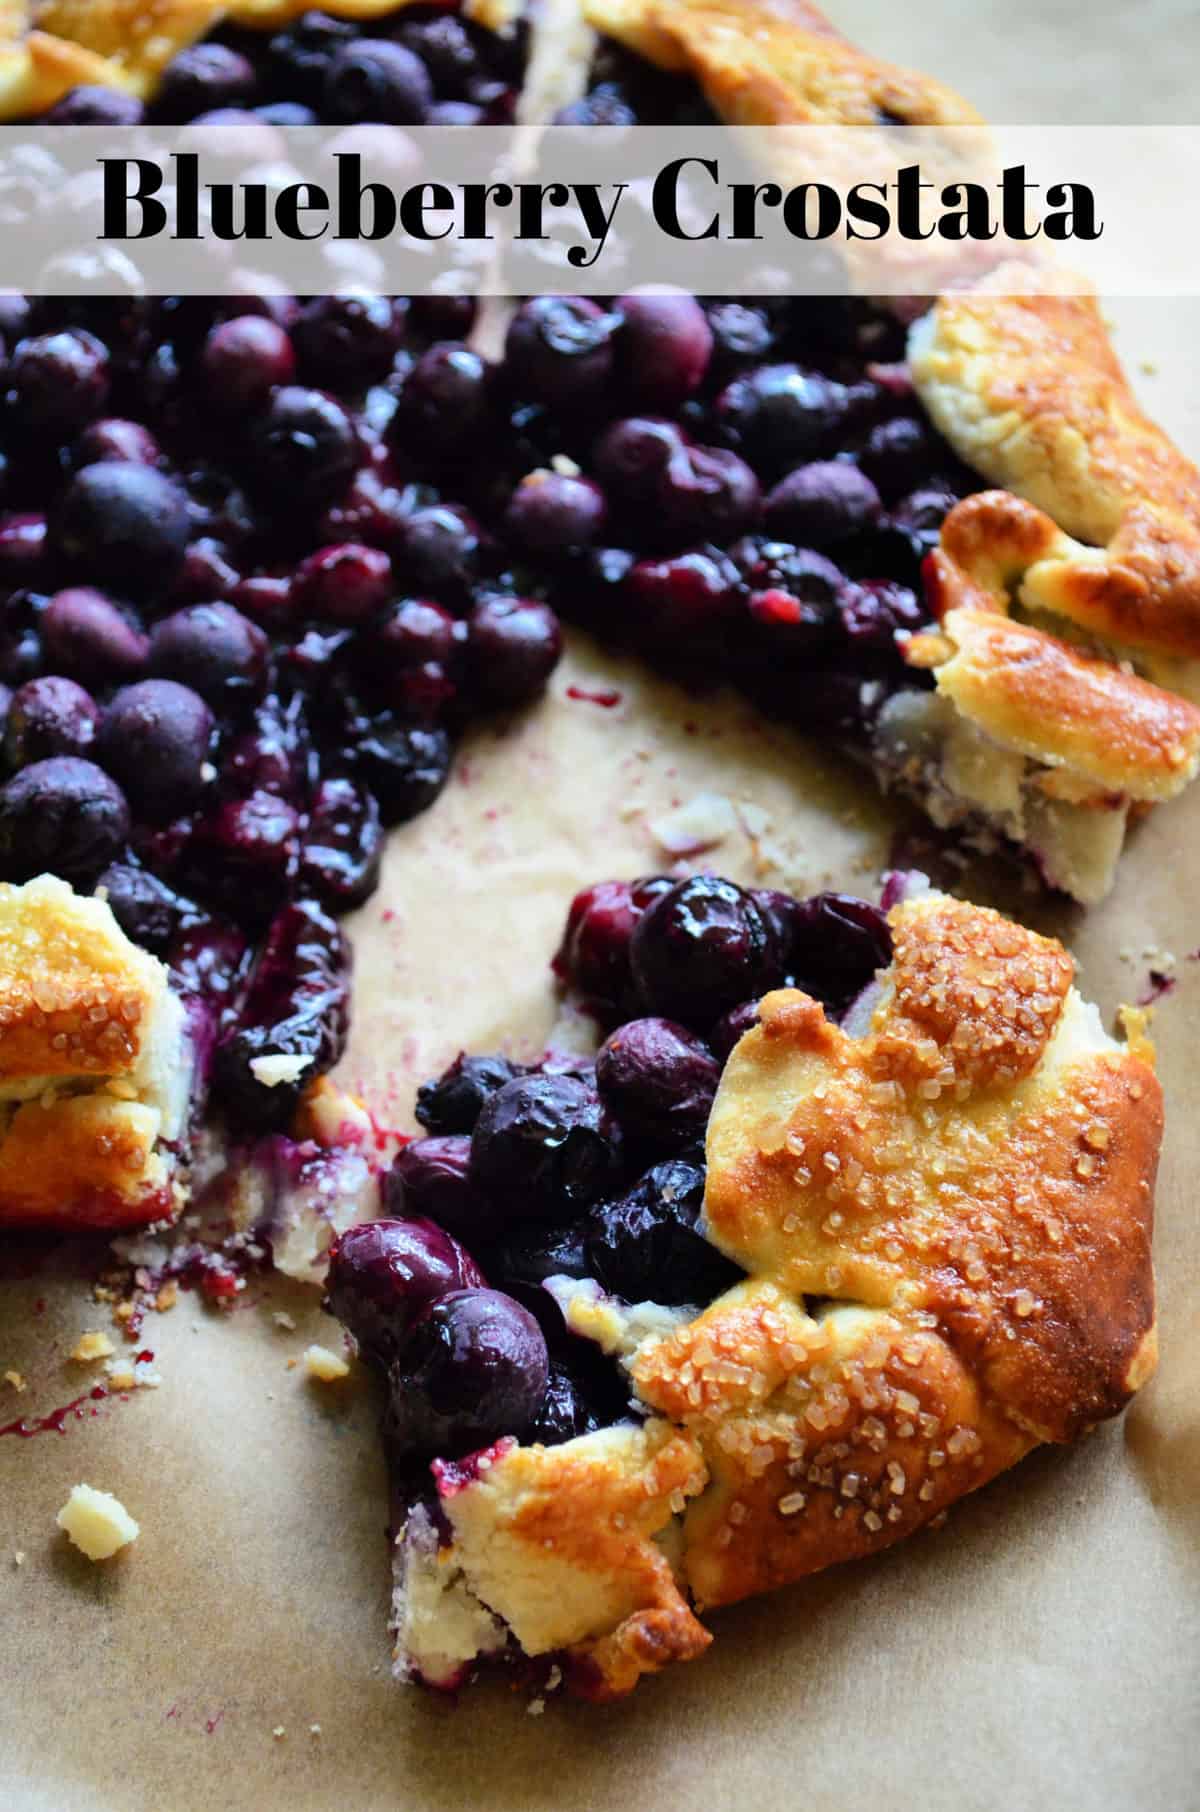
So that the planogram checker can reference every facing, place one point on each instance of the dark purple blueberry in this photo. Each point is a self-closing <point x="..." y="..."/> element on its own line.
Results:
<point x="920" y="515"/>
<point x="701" y="948"/>
<point x="665" y="346"/>
<point x="513" y="646"/>
<point x="206" y="573"/>
<point x="429" y="1178"/>
<point x="410" y="634"/>
<point x="243" y="360"/>
<point x="114" y="438"/>
<point x="741" y="334"/>
<point x="873" y="611"/>
<point x="647" y="1246"/>
<point x="383" y="1274"/>
<point x="532" y="1251"/>
<point x="343" y="845"/>
<point x="778" y="415"/>
<point x="474" y="1368"/>
<point x="273" y="756"/>
<point x="24" y="538"/>
<point x="444" y="403"/>
<point x="375" y="80"/>
<point x="267" y="597"/>
<point x="794" y="625"/>
<point x="154" y="738"/>
<point x="300" y="56"/>
<point x="145" y="908"/>
<point x="898" y="454"/>
<point x="820" y="504"/>
<point x="441" y="317"/>
<point x="94" y="105"/>
<point x="58" y="381"/>
<point x="16" y="316"/>
<point x="302" y="446"/>
<point x="209" y="960"/>
<point x="345" y="583"/>
<point x="631" y="456"/>
<point x="347" y="341"/>
<point x="201" y="78"/>
<point x="244" y="853"/>
<point x="604" y="105"/>
<point x="213" y="649"/>
<point x="732" y="1026"/>
<point x="593" y="957"/>
<point x="549" y="513"/>
<point x="682" y="599"/>
<point x="659" y="1080"/>
<point x="49" y="716"/>
<point x="286" y="113"/>
<point x="405" y="765"/>
<point x="565" y="1412"/>
<point x="123" y="525"/>
<point x="452" y="1103"/>
<point x="705" y="493"/>
<point x="63" y="816"/>
<point x="296" y="1005"/>
<point x="444" y="46"/>
<point x="544" y="1147"/>
<point x="838" y="942"/>
<point x="89" y="637"/>
<point x="559" y="350"/>
<point x="440" y="548"/>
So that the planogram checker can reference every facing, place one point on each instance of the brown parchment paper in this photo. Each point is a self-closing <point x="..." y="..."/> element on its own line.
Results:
<point x="1043" y="1649"/>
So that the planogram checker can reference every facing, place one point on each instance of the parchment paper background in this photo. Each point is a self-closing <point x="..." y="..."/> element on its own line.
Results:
<point x="1044" y="1649"/>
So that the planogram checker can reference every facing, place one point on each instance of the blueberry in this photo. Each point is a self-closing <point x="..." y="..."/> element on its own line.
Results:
<point x="452" y="1103"/>
<point x="346" y="582"/>
<point x="646" y="1245"/>
<point x="383" y="1274"/>
<point x="123" y="525"/>
<point x="442" y="317"/>
<point x="549" y="513"/>
<point x="405" y="765"/>
<point x="373" y="79"/>
<point x="24" y="539"/>
<point x="213" y="649"/>
<point x="701" y="948"/>
<point x="145" y="908"/>
<point x="898" y="454"/>
<point x="301" y="55"/>
<point x="838" y="942"/>
<point x="731" y="1027"/>
<point x="410" y="634"/>
<point x="154" y="739"/>
<point x="50" y="716"/>
<point x="206" y="573"/>
<point x="685" y="601"/>
<point x="921" y="513"/>
<point x="286" y="113"/>
<point x="58" y="381"/>
<point x="94" y="105"/>
<point x="348" y="341"/>
<point x="874" y="610"/>
<point x="302" y="445"/>
<point x="444" y="404"/>
<point x="274" y="756"/>
<point x="593" y="957"/>
<point x="631" y="456"/>
<point x="665" y="346"/>
<point x="778" y="415"/>
<point x="208" y="960"/>
<point x="564" y="1413"/>
<point x="444" y="46"/>
<point x="659" y="1080"/>
<point x="114" y="438"/>
<point x="821" y="504"/>
<point x="705" y="493"/>
<point x="89" y="637"/>
<point x="201" y="78"/>
<point x="544" y="1146"/>
<point x="441" y="548"/>
<point x="244" y="853"/>
<point x="63" y="816"/>
<point x="243" y="360"/>
<point x="532" y="1251"/>
<point x="741" y="334"/>
<point x="342" y="849"/>
<point x="428" y="1178"/>
<point x="474" y="1367"/>
<point x="604" y="105"/>
<point x="513" y="646"/>
<point x="559" y="350"/>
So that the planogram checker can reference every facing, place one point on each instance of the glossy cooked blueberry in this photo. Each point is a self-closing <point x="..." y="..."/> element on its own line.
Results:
<point x="684" y="600"/>
<point x="550" y="512"/>
<point x="631" y="456"/>
<point x="145" y="908"/>
<point x="565" y="1412"/>
<point x="544" y="1146"/>
<point x="593" y="957"/>
<point x="58" y="381"/>
<point x="201" y="78"/>
<point x="154" y="738"/>
<point x="731" y="1027"/>
<point x="659" y="1080"/>
<point x="274" y="755"/>
<point x="898" y="454"/>
<point x="920" y="515"/>
<point x="778" y="415"/>
<point x="444" y="403"/>
<point x="704" y="493"/>
<point x="346" y="582"/>
<point x="513" y="646"/>
<point x="244" y="359"/>
<point x="741" y="333"/>
<point x="299" y="57"/>
<point x="89" y="637"/>
<point x="873" y="611"/>
<point x="24" y="542"/>
<point x="821" y="504"/>
<point x="665" y="346"/>
<point x="244" y="853"/>
<point x="453" y="1101"/>
<point x="701" y="948"/>
<point x="302" y="445"/>
<point x="213" y="649"/>
<point x="91" y="104"/>
<point x="559" y="350"/>
<point x="113" y="437"/>
<point x="838" y="943"/>
<point x="297" y="1006"/>
<point x="443" y="317"/>
<point x="441" y="547"/>
<point x="374" y="79"/>
<point x="122" y="525"/>
<point x="429" y="1178"/>
<point x="63" y="816"/>
<point x="347" y="340"/>
<point x="408" y="635"/>
<point x="342" y="848"/>
<point x="474" y="1368"/>
<point x="405" y="765"/>
<point x="383" y="1274"/>
<point x="208" y="961"/>
<point x="646" y="1247"/>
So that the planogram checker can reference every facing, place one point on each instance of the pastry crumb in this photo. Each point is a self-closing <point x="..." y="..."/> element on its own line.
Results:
<point x="18" y="1557"/>
<point x="90" y="1346"/>
<point x="536" y="1707"/>
<point x="271" y="1071"/>
<point x="279" y="1733"/>
<point x="283" y="1320"/>
<point x="17" y="1380"/>
<point x="314" y="1730"/>
<point x="167" y="1297"/>
<point x="97" y="1523"/>
<point x="320" y="1363"/>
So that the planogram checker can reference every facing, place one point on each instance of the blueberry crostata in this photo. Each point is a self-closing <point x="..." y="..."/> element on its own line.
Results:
<point x="854" y="1207"/>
